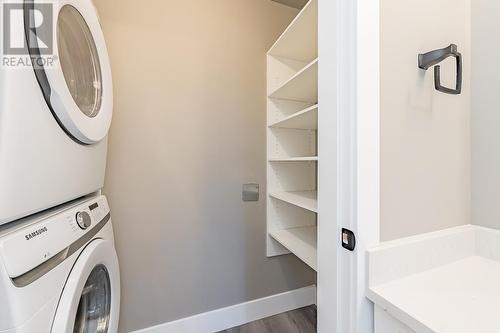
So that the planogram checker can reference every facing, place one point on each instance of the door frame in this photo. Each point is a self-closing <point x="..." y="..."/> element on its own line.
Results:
<point x="349" y="169"/>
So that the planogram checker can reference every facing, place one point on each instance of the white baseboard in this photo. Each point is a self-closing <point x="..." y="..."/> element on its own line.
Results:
<point x="239" y="314"/>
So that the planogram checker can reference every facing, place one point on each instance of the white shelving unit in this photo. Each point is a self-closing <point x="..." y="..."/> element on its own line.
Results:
<point x="300" y="39"/>
<point x="301" y="241"/>
<point x="303" y="199"/>
<point x="292" y="91"/>
<point x="304" y="119"/>
<point x="294" y="159"/>
<point x="303" y="86"/>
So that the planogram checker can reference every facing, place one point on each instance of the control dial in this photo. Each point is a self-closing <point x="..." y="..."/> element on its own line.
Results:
<point x="83" y="219"/>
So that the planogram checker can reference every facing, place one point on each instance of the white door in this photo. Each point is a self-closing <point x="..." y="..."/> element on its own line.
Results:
<point x="90" y="301"/>
<point x="77" y="85"/>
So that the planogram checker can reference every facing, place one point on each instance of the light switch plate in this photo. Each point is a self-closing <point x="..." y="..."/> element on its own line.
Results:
<point x="250" y="192"/>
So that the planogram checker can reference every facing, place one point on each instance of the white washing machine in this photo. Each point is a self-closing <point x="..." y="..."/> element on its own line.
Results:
<point x="59" y="271"/>
<point x="54" y="119"/>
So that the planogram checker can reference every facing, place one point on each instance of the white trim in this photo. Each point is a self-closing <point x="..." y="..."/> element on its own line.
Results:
<point x="349" y="102"/>
<point x="367" y="221"/>
<point x="348" y="193"/>
<point x="330" y="106"/>
<point x="240" y="314"/>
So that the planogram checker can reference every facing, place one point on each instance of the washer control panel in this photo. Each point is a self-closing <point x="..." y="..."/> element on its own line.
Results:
<point x="30" y="246"/>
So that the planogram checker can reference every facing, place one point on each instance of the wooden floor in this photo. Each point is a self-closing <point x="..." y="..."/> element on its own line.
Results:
<point x="297" y="321"/>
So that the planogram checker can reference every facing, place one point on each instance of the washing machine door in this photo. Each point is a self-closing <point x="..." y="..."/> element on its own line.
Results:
<point x="77" y="83"/>
<point x="90" y="301"/>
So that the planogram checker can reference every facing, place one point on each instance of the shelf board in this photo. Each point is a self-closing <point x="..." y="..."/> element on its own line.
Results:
<point x="306" y="119"/>
<point x="303" y="86"/>
<point x="300" y="39"/>
<point x="303" y="199"/>
<point x="300" y="241"/>
<point x="295" y="159"/>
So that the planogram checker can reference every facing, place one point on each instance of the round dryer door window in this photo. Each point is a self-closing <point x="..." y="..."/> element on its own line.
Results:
<point x="79" y="60"/>
<point x="76" y="84"/>
<point x="94" y="307"/>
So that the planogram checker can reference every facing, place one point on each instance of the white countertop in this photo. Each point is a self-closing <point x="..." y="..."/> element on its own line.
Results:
<point x="458" y="297"/>
<point x="446" y="281"/>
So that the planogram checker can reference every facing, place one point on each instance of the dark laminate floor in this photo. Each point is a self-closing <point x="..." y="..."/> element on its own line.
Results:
<point x="297" y="321"/>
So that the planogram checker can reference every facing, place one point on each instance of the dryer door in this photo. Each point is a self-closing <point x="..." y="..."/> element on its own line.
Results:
<point x="90" y="302"/>
<point x="77" y="85"/>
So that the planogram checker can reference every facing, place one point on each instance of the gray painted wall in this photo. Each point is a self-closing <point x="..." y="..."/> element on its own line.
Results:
<point x="188" y="130"/>
<point x="425" y="135"/>
<point x="485" y="113"/>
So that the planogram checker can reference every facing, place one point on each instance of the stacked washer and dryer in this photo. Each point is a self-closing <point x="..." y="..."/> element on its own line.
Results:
<point x="58" y="266"/>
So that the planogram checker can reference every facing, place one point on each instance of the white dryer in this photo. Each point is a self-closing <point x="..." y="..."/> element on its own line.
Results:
<point x="59" y="271"/>
<point x="54" y="119"/>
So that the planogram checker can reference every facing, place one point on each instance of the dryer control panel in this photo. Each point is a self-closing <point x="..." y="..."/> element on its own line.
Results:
<point x="30" y="246"/>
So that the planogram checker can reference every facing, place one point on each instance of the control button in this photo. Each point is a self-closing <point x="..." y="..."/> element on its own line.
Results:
<point x="83" y="219"/>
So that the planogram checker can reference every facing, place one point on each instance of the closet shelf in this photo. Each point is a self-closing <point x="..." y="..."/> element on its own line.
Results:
<point x="300" y="40"/>
<point x="306" y="119"/>
<point x="300" y="241"/>
<point x="303" y="199"/>
<point x="303" y="86"/>
<point x="295" y="159"/>
<point x="292" y="139"/>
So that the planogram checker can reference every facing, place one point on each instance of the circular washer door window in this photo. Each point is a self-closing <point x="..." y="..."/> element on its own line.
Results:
<point x="93" y="314"/>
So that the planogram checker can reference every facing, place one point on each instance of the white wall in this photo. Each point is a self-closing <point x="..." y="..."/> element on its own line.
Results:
<point x="425" y="134"/>
<point x="486" y="113"/>
<point x="188" y="130"/>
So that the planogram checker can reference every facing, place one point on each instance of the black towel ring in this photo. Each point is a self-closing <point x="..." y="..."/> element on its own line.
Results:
<point x="433" y="58"/>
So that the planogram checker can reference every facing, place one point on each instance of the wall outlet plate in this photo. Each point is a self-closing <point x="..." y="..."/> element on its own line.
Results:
<point x="250" y="192"/>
